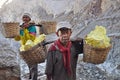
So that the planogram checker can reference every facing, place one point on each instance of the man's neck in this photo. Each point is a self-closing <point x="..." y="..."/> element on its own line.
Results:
<point x="64" y="44"/>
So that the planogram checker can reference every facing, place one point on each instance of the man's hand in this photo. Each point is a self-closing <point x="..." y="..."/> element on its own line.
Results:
<point x="25" y="25"/>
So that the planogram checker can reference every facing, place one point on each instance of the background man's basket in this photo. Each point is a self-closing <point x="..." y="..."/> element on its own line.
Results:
<point x="34" y="55"/>
<point x="49" y="26"/>
<point x="11" y="29"/>
<point x="95" y="55"/>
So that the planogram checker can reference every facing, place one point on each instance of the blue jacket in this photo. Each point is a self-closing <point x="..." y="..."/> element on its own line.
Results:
<point x="31" y="29"/>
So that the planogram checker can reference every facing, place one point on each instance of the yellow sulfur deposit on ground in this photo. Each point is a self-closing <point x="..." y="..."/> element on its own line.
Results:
<point x="98" y="38"/>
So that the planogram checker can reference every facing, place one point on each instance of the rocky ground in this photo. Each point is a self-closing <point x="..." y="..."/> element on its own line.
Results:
<point x="85" y="71"/>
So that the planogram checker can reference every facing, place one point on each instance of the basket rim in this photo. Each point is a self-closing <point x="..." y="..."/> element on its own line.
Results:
<point x="37" y="45"/>
<point x="10" y="22"/>
<point x="96" y="48"/>
<point x="102" y="48"/>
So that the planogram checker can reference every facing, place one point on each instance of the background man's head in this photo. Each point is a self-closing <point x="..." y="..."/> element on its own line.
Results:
<point x="26" y="17"/>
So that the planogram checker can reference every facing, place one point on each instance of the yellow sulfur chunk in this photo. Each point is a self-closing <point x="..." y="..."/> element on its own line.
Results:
<point x="17" y="38"/>
<point x="22" y="48"/>
<point x="28" y="44"/>
<point x="27" y="47"/>
<point x="39" y="39"/>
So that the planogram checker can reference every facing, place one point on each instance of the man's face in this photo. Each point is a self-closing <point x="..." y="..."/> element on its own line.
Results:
<point x="25" y="18"/>
<point x="64" y="35"/>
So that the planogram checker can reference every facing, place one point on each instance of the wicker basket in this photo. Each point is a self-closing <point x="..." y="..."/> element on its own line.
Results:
<point x="95" y="55"/>
<point x="34" y="55"/>
<point x="49" y="26"/>
<point x="11" y="29"/>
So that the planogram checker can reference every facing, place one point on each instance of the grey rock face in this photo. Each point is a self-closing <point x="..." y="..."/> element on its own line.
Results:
<point x="9" y="56"/>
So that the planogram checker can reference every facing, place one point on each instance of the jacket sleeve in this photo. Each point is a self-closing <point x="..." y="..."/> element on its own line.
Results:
<point x="49" y="63"/>
<point x="32" y="29"/>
